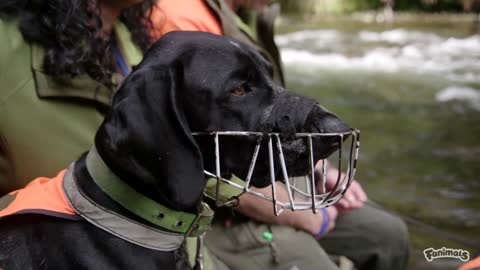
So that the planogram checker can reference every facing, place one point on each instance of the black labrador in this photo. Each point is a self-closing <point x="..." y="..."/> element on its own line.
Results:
<point x="188" y="82"/>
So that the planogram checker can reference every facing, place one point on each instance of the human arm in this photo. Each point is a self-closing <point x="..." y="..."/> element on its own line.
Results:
<point x="261" y="210"/>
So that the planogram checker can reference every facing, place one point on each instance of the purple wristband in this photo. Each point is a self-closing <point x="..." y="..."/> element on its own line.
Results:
<point x="325" y="222"/>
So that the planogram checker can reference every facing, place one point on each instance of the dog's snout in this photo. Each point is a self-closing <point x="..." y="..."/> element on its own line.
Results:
<point x="330" y="123"/>
<point x="322" y="121"/>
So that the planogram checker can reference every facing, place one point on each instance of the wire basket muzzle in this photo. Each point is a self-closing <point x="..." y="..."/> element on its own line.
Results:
<point x="309" y="192"/>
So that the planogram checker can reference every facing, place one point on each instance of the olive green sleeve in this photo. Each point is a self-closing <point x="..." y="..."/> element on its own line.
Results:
<point x="6" y="168"/>
<point x="7" y="24"/>
<point x="14" y="57"/>
<point x="6" y="47"/>
<point x="3" y="57"/>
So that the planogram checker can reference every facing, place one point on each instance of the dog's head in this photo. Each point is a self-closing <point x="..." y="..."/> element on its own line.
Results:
<point x="196" y="82"/>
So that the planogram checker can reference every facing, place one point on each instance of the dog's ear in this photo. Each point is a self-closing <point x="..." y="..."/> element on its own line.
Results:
<point x="146" y="140"/>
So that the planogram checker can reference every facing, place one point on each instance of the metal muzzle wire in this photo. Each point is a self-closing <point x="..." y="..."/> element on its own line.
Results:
<point x="304" y="193"/>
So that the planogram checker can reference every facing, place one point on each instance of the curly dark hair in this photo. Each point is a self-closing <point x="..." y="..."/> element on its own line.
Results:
<point x="70" y="31"/>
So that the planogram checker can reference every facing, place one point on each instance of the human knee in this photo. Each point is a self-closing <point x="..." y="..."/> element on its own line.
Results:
<point x="393" y="233"/>
<point x="392" y="244"/>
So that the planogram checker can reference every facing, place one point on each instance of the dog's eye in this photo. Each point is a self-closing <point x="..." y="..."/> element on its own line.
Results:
<point x="238" y="91"/>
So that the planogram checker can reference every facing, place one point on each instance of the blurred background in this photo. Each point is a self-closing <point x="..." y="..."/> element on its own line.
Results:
<point x="407" y="74"/>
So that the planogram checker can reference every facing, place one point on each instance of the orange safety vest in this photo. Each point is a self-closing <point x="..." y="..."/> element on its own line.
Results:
<point x="185" y="15"/>
<point x="60" y="197"/>
<point x="41" y="196"/>
<point x="473" y="264"/>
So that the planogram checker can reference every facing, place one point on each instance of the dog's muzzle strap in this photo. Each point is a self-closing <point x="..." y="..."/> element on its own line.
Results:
<point x="223" y="193"/>
<point x="144" y="207"/>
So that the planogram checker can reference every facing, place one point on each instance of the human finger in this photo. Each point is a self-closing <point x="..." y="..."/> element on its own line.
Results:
<point x="358" y="191"/>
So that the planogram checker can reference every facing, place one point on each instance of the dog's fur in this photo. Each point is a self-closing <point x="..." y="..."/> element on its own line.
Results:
<point x="184" y="84"/>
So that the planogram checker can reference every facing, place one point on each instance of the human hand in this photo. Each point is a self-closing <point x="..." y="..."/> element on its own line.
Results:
<point x="354" y="197"/>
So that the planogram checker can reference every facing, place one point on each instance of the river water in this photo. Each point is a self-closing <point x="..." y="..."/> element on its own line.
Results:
<point x="413" y="89"/>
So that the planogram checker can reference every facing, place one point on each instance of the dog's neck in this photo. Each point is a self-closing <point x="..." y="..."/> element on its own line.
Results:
<point x="155" y="161"/>
<point x="99" y="180"/>
<point x="93" y="191"/>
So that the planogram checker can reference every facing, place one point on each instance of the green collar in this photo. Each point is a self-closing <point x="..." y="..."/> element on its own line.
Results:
<point x="144" y="207"/>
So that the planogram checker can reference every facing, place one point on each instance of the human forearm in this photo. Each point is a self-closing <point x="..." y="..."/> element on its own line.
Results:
<point x="261" y="210"/>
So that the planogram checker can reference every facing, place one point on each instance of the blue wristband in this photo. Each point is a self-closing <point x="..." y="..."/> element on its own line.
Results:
<point x="325" y="222"/>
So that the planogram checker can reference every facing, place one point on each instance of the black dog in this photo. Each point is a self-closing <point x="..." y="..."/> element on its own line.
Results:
<point x="187" y="82"/>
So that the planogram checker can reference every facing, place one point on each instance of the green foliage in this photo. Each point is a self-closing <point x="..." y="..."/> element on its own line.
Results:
<point x="358" y="5"/>
<point x="347" y="6"/>
<point x="439" y="5"/>
<point x="327" y="6"/>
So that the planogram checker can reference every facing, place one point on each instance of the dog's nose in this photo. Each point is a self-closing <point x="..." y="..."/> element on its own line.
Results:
<point x="320" y="120"/>
<point x="330" y="123"/>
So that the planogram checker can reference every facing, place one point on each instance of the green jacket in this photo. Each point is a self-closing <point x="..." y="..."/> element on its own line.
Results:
<point x="254" y="29"/>
<point x="45" y="123"/>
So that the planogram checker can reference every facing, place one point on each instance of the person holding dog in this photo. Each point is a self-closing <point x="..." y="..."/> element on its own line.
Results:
<point x="61" y="61"/>
<point x="254" y="238"/>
